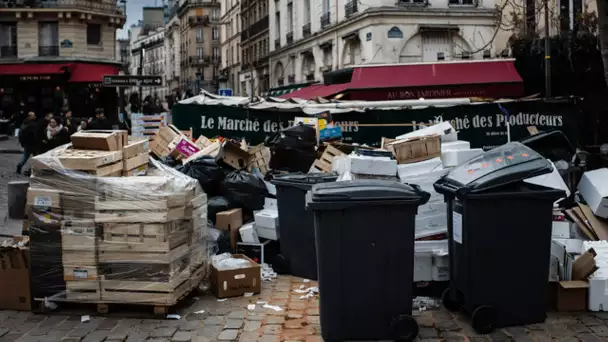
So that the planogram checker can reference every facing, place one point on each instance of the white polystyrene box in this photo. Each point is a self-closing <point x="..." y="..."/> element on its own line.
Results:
<point x="593" y="187"/>
<point x="378" y="166"/>
<point x="249" y="234"/>
<point x="455" y="145"/>
<point x="445" y="129"/>
<point x="453" y="158"/>
<point x="419" y="168"/>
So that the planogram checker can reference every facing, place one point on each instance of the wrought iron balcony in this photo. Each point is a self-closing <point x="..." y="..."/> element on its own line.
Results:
<point x="289" y="37"/>
<point x="415" y="3"/>
<point x="198" y="20"/>
<point x="310" y="76"/>
<point x="8" y="51"/>
<point x="306" y="30"/>
<point x="199" y="60"/>
<point x="325" y="20"/>
<point x="48" y="51"/>
<point x="291" y="78"/>
<point x="351" y="8"/>
<point x="106" y="6"/>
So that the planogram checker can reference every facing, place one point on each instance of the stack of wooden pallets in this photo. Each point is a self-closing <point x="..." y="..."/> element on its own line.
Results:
<point x="131" y="239"/>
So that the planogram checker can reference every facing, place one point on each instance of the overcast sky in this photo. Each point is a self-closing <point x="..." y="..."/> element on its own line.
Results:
<point x="134" y="13"/>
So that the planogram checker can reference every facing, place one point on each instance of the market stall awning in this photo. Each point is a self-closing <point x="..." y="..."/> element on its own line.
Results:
<point x="283" y="90"/>
<point x="33" y="69"/>
<point x="92" y="73"/>
<point x="443" y="79"/>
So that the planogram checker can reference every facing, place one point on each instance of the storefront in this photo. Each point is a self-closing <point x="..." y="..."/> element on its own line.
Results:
<point x="48" y="87"/>
<point x="483" y="78"/>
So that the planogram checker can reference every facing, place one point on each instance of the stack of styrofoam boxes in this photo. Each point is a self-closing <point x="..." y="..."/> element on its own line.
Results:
<point x="431" y="257"/>
<point x="354" y="166"/>
<point x="598" y="282"/>
<point x="267" y="220"/>
<point x="457" y="152"/>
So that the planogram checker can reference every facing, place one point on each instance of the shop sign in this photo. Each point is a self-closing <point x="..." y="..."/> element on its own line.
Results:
<point x="484" y="125"/>
<point x="35" y="78"/>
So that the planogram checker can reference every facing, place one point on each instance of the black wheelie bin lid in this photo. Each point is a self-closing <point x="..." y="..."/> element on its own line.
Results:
<point x="339" y="195"/>
<point x="503" y="165"/>
<point x="304" y="181"/>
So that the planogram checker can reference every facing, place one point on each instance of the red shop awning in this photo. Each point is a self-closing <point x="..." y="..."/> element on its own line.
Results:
<point x="317" y="90"/>
<point x="424" y="76"/>
<point x="92" y="73"/>
<point x="33" y="69"/>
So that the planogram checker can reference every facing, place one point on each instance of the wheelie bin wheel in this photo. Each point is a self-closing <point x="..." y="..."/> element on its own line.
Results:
<point x="280" y="264"/>
<point x="448" y="302"/>
<point x="483" y="319"/>
<point x="404" y="328"/>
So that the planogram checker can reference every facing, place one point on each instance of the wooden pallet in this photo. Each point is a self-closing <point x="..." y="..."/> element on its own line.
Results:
<point x="151" y="205"/>
<point x="82" y="290"/>
<point x="324" y="163"/>
<point x="145" y="237"/>
<point x="259" y="158"/>
<point x="135" y="162"/>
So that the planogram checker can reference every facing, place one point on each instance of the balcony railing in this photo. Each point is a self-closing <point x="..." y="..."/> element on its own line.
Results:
<point x="107" y="6"/>
<point x="48" y="51"/>
<point x="198" y="20"/>
<point x="306" y="30"/>
<point x="291" y="78"/>
<point x="350" y="8"/>
<point x="199" y="60"/>
<point x="254" y="29"/>
<point x="325" y="20"/>
<point x="416" y="3"/>
<point x="8" y="51"/>
<point x="277" y="43"/>
<point x="289" y="38"/>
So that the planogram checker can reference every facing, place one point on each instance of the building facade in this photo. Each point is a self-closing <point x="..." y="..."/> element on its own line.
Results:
<point x="255" y="68"/>
<point x="59" y="49"/>
<point x="123" y="55"/>
<point x="200" y="45"/>
<point x="172" y="54"/>
<point x="327" y="35"/>
<point x="149" y="48"/>
<point x="231" y="46"/>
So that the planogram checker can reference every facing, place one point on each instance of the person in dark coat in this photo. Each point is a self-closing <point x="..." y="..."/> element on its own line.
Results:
<point x="100" y="121"/>
<point x="41" y="136"/>
<point x="27" y="138"/>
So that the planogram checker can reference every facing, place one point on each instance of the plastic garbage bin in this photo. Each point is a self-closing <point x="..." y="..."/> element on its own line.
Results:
<point x="364" y="231"/>
<point x="296" y="224"/>
<point x="500" y="237"/>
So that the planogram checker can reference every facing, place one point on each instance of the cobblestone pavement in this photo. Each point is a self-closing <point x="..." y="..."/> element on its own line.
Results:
<point x="231" y="321"/>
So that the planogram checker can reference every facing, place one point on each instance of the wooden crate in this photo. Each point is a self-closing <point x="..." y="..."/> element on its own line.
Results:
<point x="82" y="160"/>
<point x="140" y="216"/>
<point x="160" y="204"/>
<point x="109" y="254"/>
<point x="145" y="237"/>
<point x="77" y="258"/>
<point x="135" y="161"/>
<point x="324" y="164"/>
<point x="416" y="149"/>
<point x="259" y="158"/>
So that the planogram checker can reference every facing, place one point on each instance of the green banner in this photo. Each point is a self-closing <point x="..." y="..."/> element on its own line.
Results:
<point x="484" y="125"/>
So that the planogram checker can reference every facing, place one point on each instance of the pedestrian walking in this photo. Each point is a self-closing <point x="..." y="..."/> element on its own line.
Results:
<point x="41" y="135"/>
<point x="27" y="139"/>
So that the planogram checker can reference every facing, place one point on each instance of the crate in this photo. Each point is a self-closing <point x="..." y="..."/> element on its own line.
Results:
<point x="324" y="164"/>
<point x="416" y="149"/>
<point x="142" y="237"/>
<point x="259" y="158"/>
<point x="82" y="290"/>
<point x="99" y="163"/>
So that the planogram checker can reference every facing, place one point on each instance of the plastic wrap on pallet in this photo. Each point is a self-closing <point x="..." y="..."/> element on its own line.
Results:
<point x="114" y="239"/>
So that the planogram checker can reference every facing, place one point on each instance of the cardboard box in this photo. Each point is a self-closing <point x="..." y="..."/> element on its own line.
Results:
<point x="249" y="234"/>
<point x="233" y="155"/>
<point x="416" y="149"/>
<point x="15" y="279"/>
<point x="572" y="295"/>
<point x="229" y="219"/>
<point x="100" y="140"/>
<point x="135" y="146"/>
<point x="593" y="187"/>
<point x="234" y="283"/>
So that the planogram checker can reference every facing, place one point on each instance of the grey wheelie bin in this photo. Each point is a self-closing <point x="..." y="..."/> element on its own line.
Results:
<point x="364" y="231"/>
<point x="296" y="224"/>
<point x="500" y="237"/>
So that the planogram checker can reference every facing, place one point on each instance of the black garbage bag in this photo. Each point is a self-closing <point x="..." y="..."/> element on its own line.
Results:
<point x="218" y="204"/>
<point x="206" y="171"/>
<point x="245" y="189"/>
<point x="293" y="149"/>
<point x="169" y="161"/>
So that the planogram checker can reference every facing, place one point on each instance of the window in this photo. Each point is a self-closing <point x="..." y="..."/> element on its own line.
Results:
<point x="199" y="52"/>
<point x="326" y="5"/>
<point x="8" y="40"/>
<point x="290" y="17"/>
<point x="216" y="53"/>
<point x="48" y="39"/>
<point x="93" y="34"/>
<point x="395" y="32"/>
<point x="307" y="11"/>
<point x="215" y="13"/>
<point x="277" y="18"/>
<point x="215" y="33"/>
<point x="462" y="2"/>
<point x="199" y="34"/>
<point x="232" y="55"/>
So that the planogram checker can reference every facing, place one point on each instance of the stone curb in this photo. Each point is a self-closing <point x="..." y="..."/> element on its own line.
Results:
<point x="10" y="151"/>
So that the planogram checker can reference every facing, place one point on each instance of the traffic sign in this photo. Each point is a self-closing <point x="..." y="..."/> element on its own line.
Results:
<point x="132" y="81"/>
<point x="225" y="92"/>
